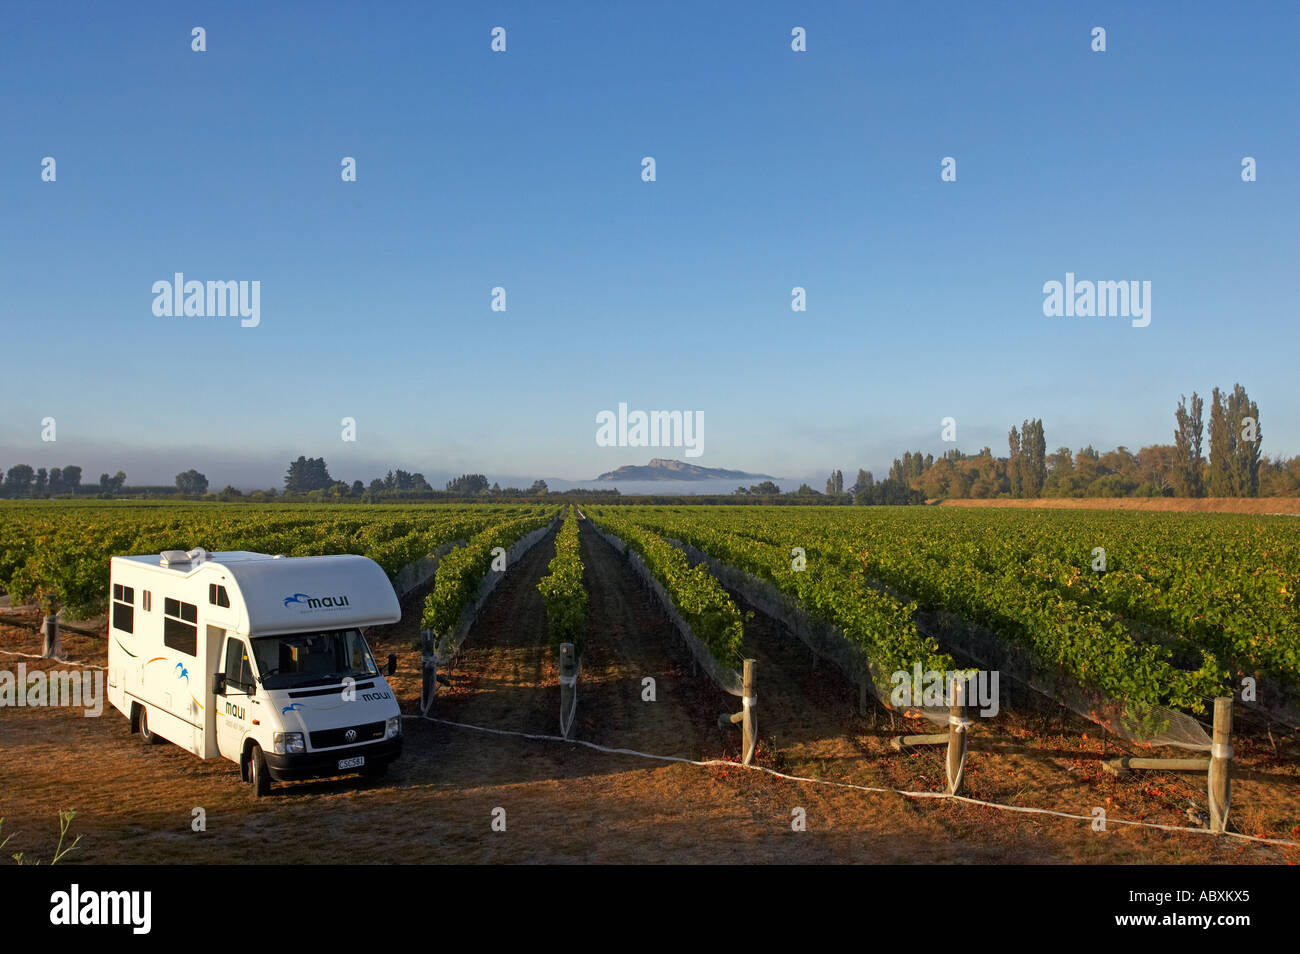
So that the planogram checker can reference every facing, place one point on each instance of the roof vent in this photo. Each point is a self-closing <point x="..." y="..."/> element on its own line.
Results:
<point x="169" y="557"/>
<point x="198" y="555"/>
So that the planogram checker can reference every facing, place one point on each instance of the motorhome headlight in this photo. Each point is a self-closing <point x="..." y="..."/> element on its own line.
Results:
<point x="393" y="727"/>
<point x="289" y="742"/>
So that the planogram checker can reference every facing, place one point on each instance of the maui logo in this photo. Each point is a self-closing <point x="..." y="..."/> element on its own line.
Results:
<point x="375" y="696"/>
<point x="235" y="711"/>
<point x="317" y="602"/>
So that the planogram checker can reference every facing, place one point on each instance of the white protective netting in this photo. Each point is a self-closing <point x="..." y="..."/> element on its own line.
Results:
<point x="440" y="651"/>
<point x="568" y="712"/>
<point x="727" y="678"/>
<point x="414" y="575"/>
<point x="824" y="640"/>
<point x="1138" y="723"/>
<point x="449" y="643"/>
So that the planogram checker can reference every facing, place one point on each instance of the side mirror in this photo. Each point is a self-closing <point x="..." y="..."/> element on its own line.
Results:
<point x="392" y="664"/>
<point x="217" y="684"/>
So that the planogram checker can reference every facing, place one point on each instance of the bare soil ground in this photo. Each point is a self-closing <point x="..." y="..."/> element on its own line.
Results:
<point x="1249" y="505"/>
<point x="566" y="803"/>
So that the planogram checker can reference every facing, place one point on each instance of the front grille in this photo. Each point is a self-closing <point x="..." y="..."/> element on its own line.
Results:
<point x="329" y="738"/>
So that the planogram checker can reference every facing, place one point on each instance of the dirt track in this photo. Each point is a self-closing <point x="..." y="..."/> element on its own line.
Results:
<point x="507" y="679"/>
<point x="567" y="803"/>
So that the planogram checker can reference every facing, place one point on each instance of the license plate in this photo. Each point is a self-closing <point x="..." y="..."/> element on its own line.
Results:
<point x="357" y="762"/>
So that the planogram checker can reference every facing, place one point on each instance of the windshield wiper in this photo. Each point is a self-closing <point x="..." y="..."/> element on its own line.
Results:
<point x="326" y="679"/>
<point x="314" y="681"/>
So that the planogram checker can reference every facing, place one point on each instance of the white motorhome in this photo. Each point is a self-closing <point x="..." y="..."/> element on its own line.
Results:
<point x="255" y="658"/>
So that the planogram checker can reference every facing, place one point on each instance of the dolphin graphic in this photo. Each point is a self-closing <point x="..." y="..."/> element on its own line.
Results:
<point x="184" y="673"/>
<point x="296" y="598"/>
<point x="293" y="708"/>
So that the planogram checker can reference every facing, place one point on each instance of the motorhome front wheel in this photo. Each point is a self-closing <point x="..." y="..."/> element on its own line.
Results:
<point x="258" y="773"/>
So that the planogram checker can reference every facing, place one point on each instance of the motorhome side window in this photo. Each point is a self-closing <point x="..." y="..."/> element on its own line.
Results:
<point x="123" y="608"/>
<point x="180" y="626"/>
<point x="217" y="595"/>
<point x="239" y="671"/>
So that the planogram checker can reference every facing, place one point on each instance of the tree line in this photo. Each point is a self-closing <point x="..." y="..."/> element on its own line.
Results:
<point x="310" y="475"/>
<point x="1234" y="466"/>
<point x="22" y="481"/>
<point x="307" y="477"/>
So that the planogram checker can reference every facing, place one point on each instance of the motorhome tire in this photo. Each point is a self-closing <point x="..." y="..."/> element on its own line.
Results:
<point x="258" y="773"/>
<point x="149" y="737"/>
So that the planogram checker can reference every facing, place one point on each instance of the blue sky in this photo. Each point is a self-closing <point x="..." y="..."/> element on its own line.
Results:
<point x="523" y="170"/>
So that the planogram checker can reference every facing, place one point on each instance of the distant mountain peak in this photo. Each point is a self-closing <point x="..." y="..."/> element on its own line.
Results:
<point x="661" y="469"/>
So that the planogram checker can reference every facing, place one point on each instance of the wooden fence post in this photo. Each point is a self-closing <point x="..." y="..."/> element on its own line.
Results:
<point x="1220" y="781"/>
<point x="958" y="724"/>
<point x="568" y="688"/>
<point x="749" y="733"/>
<point x="52" y="646"/>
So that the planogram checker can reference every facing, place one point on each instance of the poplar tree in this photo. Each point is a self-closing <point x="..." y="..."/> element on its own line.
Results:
<point x="1013" y="463"/>
<point x="1033" y="455"/>
<point x="1223" y="447"/>
<point x="1187" y="443"/>
<point x="1243" y="418"/>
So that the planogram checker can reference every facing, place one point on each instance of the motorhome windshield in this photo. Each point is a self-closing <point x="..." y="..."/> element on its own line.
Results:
<point x="306" y="659"/>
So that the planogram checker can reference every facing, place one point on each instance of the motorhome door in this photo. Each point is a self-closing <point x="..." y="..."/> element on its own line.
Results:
<point x="234" y="700"/>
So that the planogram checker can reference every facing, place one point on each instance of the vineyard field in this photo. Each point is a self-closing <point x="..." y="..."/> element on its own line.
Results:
<point x="63" y="549"/>
<point x="1166" y="609"/>
<point x="1183" y="609"/>
<point x="1158" y="609"/>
